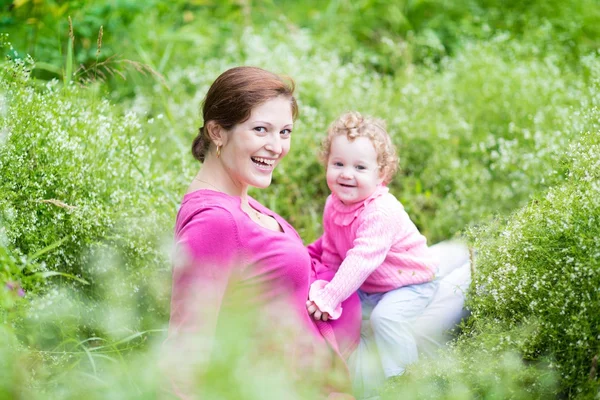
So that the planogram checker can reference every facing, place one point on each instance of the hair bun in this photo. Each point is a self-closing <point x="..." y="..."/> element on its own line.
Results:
<point x="200" y="145"/>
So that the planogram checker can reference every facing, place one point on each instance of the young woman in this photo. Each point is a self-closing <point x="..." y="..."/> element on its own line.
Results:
<point x="229" y="246"/>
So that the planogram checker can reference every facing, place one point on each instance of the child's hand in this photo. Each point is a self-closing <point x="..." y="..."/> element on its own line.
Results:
<point x="313" y="310"/>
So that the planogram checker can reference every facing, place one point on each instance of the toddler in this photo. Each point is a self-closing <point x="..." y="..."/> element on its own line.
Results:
<point x="370" y="241"/>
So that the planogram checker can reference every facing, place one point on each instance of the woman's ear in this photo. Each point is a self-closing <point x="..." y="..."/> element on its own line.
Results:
<point x="216" y="133"/>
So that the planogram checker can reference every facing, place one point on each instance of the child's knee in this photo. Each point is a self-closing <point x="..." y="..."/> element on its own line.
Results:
<point x="378" y="319"/>
<point x="383" y="320"/>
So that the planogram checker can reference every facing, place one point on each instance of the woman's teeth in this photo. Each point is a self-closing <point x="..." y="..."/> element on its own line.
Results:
<point x="263" y="161"/>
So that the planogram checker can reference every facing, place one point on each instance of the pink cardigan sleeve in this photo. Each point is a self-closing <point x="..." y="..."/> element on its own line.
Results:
<point x="374" y="238"/>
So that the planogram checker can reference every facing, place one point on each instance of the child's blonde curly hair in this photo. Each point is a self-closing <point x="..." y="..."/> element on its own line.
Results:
<point x="353" y="125"/>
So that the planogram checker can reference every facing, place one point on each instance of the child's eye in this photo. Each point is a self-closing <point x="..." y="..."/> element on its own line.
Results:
<point x="361" y="167"/>
<point x="260" y="129"/>
<point x="286" y="133"/>
<point x="338" y="164"/>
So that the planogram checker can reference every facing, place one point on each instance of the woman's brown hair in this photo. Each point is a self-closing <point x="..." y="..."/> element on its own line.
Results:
<point x="234" y="94"/>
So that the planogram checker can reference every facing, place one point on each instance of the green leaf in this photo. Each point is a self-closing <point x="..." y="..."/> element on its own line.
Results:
<point x="47" y="274"/>
<point x="45" y="250"/>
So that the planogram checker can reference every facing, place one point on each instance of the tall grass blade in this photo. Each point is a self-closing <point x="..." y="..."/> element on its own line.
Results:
<point x="45" y="250"/>
<point x="47" y="274"/>
<point x="69" y="62"/>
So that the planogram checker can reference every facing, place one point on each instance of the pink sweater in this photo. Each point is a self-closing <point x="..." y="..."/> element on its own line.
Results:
<point x="373" y="245"/>
<point x="222" y="254"/>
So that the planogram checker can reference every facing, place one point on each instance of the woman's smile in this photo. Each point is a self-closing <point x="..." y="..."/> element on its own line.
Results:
<point x="264" y="164"/>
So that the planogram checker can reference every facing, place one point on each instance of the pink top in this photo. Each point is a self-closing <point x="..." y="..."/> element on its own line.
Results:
<point x="373" y="245"/>
<point x="222" y="250"/>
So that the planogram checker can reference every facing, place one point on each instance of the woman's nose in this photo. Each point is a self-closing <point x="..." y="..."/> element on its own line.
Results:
<point x="274" y="145"/>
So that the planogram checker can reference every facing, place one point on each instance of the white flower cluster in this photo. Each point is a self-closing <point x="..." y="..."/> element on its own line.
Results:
<point x="541" y="267"/>
<point x="75" y="174"/>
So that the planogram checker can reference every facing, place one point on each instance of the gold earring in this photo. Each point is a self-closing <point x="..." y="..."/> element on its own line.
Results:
<point x="218" y="151"/>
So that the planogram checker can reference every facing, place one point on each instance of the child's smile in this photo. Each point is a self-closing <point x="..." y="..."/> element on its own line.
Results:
<point x="353" y="173"/>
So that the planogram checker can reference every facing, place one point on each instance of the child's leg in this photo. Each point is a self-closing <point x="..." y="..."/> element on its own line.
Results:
<point x="452" y="254"/>
<point x="392" y="321"/>
<point x="364" y="364"/>
<point x="444" y="311"/>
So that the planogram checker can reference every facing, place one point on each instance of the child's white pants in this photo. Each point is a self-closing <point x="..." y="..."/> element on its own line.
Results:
<point x="401" y="324"/>
<point x="391" y="316"/>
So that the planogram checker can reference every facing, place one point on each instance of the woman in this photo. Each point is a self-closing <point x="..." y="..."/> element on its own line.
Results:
<point x="230" y="247"/>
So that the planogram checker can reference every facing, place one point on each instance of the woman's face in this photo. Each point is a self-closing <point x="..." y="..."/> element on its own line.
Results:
<point x="253" y="148"/>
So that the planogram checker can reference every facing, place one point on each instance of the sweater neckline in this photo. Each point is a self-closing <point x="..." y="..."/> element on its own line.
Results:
<point x="238" y="202"/>
<point x="345" y="214"/>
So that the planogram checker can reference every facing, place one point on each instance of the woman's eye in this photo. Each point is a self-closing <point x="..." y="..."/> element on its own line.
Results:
<point x="260" y="129"/>
<point x="286" y="132"/>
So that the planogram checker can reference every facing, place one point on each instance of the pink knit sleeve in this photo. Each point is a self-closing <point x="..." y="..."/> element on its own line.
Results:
<point x="374" y="238"/>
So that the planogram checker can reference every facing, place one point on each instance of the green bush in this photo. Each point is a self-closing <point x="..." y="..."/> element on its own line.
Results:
<point x="538" y="273"/>
<point x="464" y="374"/>
<point x="393" y="36"/>
<point x="401" y="33"/>
<point x="77" y="184"/>
<point x="40" y="28"/>
<point x="533" y="332"/>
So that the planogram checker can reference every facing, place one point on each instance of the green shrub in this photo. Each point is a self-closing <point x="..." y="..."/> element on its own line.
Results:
<point x="461" y="374"/>
<point x="77" y="183"/>
<point x="41" y="27"/>
<point x="538" y="273"/>
<point x="399" y="34"/>
<point x="393" y="36"/>
<point x="247" y="359"/>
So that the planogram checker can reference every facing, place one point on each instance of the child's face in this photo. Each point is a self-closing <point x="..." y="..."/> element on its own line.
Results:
<point x="352" y="170"/>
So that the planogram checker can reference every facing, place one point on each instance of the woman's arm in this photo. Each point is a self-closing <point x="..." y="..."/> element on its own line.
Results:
<point x="208" y="249"/>
<point x="315" y="249"/>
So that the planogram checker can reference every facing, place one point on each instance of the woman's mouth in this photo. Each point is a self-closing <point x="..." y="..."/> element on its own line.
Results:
<point x="264" y="164"/>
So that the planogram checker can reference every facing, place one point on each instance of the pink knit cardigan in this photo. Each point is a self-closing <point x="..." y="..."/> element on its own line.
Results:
<point x="372" y="245"/>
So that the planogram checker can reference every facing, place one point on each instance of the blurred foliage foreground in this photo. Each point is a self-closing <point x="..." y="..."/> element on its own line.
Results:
<point x="492" y="105"/>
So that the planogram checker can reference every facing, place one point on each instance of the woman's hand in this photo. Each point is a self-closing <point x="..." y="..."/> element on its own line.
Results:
<point x="317" y="314"/>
